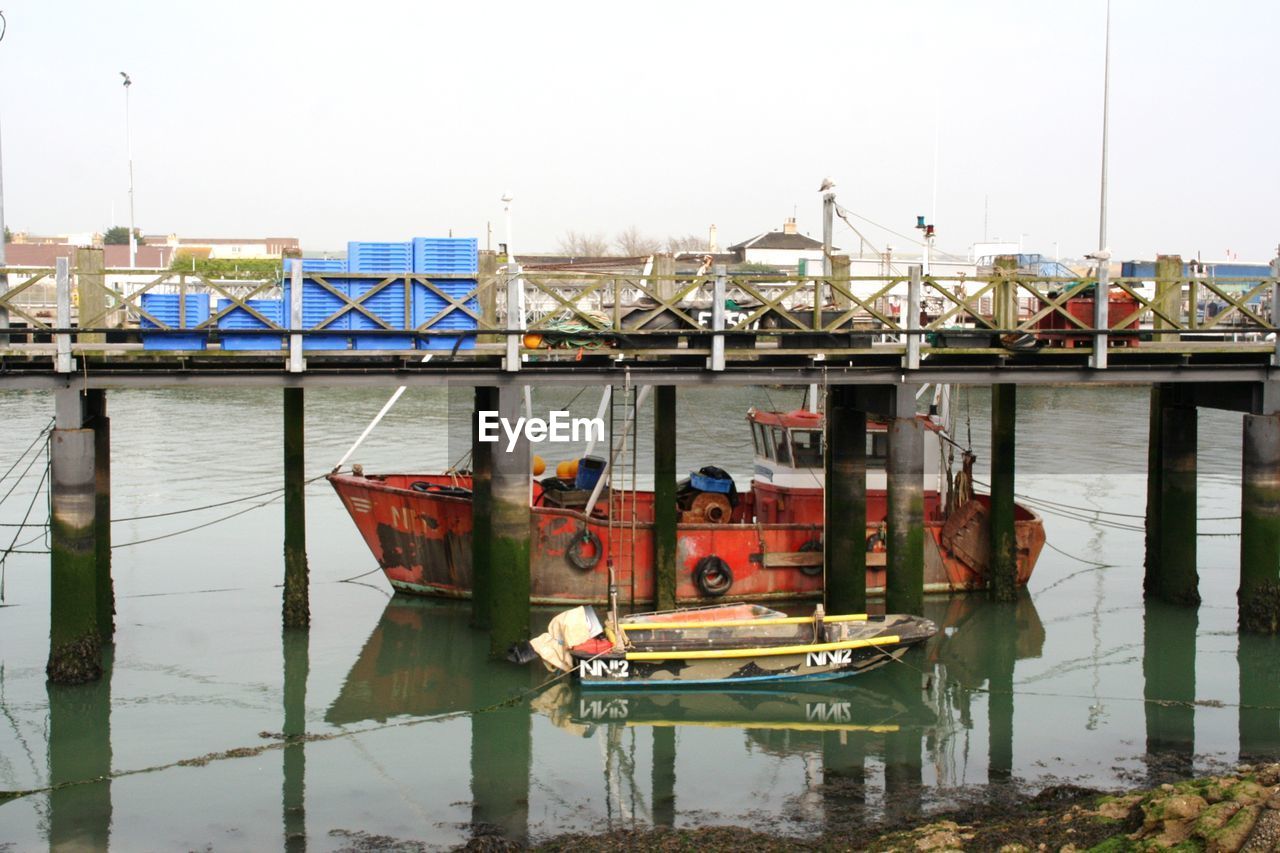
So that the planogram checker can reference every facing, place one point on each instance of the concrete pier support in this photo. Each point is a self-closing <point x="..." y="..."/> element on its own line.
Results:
<point x="508" y="586"/>
<point x="486" y="400"/>
<point x="1258" y="662"/>
<point x="501" y="765"/>
<point x="904" y="591"/>
<point x="845" y="524"/>
<point x="1171" y="571"/>
<point x="1259" y="593"/>
<point x="95" y="408"/>
<point x="664" y="496"/>
<point x="1004" y="540"/>
<point x="75" y="640"/>
<point x="1003" y="656"/>
<point x="297" y="607"/>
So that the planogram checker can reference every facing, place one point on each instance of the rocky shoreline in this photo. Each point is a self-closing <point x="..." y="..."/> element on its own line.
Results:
<point x="1225" y="813"/>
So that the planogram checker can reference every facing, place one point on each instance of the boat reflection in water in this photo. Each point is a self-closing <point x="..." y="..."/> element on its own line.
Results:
<point x="424" y="658"/>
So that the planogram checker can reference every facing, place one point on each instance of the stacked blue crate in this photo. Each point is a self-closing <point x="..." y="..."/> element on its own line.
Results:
<point x="318" y="304"/>
<point x="446" y="256"/>
<point x="165" y="308"/>
<point x="238" y="318"/>
<point x="389" y="303"/>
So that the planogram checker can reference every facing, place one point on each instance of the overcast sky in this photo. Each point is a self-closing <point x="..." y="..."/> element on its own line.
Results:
<point x="384" y="121"/>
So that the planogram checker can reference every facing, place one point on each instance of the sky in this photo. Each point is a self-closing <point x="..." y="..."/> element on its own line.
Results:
<point x="384" y="121"/>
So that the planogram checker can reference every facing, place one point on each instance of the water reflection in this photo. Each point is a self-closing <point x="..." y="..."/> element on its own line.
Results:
<point x="1169" y="688"/>
<point x="297" y="666"/>
<point x="1258" y="658"/>
<point x="79" y="750"/>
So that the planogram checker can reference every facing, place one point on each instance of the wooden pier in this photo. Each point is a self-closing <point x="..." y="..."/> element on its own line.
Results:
<point x="870" y="343"/>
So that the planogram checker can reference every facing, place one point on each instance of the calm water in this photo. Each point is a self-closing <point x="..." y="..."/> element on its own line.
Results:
<point x="1018" y="697"/>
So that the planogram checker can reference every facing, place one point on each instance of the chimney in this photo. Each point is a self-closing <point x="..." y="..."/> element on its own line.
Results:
<point x="713" y="240"/>
<point x="789" y="227"/>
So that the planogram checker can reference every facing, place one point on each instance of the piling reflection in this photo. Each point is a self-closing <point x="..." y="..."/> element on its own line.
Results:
<point x="1258" y="658"/>
<point x="1169" y="688"/>
<point x="79" y="750"/>
<point x="296" y="645"/>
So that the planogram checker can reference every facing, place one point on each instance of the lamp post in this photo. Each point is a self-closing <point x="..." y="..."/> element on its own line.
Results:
<point x="128" y="141"/>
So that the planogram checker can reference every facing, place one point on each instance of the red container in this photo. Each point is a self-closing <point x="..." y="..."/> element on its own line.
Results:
<point x="1055" y="327"/>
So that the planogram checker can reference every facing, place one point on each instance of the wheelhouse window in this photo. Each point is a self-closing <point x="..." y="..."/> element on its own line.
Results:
<point x="760" y="438"/>
<point x="807" y="444"/>
<point x="877" y="449"/>
<point x="782" y="447"/>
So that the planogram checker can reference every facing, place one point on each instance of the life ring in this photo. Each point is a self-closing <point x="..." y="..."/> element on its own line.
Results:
<point x="574" y="553"/>
<point x="712" y="576"/>
<point x="808" y="547"/>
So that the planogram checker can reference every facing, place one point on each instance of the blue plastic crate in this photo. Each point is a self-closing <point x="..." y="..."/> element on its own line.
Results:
<point x="318" y="304"/>
<point x="379" y="257"/>
<point x="427" y="304"/>
<point x="387" y="304"/>
<point x="164" y="307"/>
<point x="238" y="318"/>
<point x="446" y="255"/>
<point x="322" y="265"/>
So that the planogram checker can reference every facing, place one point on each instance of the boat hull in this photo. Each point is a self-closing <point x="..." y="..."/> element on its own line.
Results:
<point x="422" y="541"/>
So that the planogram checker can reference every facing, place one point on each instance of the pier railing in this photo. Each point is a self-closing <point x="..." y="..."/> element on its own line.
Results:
<point x="911" y="316"/>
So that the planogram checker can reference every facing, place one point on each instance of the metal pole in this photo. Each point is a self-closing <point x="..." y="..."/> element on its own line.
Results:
<point x="1101" y="296"/>
<point x="128" y="141"/>
<point x="62" y="340"/>
<point x="828" y="215"/>
<point x="717" y="316"/>
<point x="296" y="362"/>
<point x="515" y="317"/>
<point x="911" y="360"/>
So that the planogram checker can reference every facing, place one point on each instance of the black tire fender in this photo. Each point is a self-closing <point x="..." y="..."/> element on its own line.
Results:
<point x="576" y="555"/>
<point x="812" y="545"/>
<point x="712" y="576"/>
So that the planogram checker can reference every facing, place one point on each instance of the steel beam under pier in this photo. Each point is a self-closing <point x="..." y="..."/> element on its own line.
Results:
<point x="1004" y="540"/>
<point x="75" y="641"/>
<point x="508" y="583"/>
<point x="297" y="607"/>
<point x="482" y="570"/>
<point x="1171" y="573"/>
<point x="845" y="524"/>
<point x="664" y="497"/>
<point x="904" y="586"/>
<point x="95" y="409"/>
<point x="1259" y="593"/>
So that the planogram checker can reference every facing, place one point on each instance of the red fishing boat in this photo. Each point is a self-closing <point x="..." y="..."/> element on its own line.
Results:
<point x="761" y="543"/>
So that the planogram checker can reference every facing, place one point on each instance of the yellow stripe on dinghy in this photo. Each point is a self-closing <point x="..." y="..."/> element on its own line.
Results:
<point x="738" y="623"/>
<point x="704" y="654"/>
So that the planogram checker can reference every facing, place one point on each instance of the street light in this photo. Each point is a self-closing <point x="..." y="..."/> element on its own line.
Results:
<point x="128" y="141"/>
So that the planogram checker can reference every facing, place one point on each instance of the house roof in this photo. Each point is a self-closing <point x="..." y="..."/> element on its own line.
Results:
<point x="778" y="240"/>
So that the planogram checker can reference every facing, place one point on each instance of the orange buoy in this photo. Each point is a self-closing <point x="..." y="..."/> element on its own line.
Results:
<point x="539" y="465"/>
<point x="532" y="340"/>
<point x="564" y="470"/>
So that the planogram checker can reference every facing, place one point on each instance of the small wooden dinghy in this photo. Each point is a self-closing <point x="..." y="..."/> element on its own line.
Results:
<point x="742" y="644"/>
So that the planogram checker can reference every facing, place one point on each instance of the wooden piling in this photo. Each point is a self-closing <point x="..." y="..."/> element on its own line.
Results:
<point x="1177" y="580"/>
<point x="845" y="522"/>
<point x="1168" y="298"/>
<point x="904" y="591"/>
<point x="1259" y="593"/>
<point x="95" y="403"/>
<point x="664" y="496"/>
<point x="508" y="593"/>
<point x="91" y="293"/>
<point x="75" y="641"/>
<point x="486" y="400"/>
<point x="1003" y="533"/>
<point x="489" y="283"/>
<point x="297" y="608"/>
